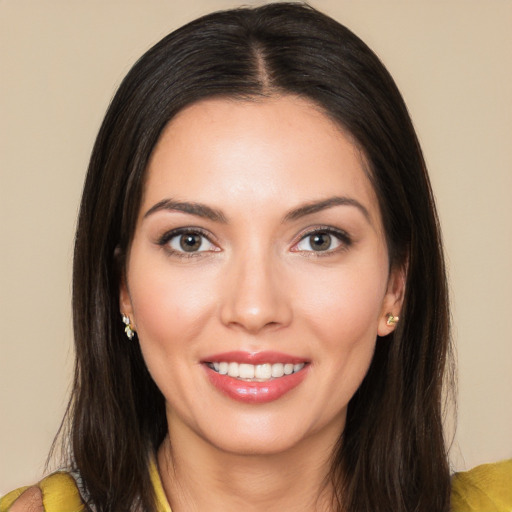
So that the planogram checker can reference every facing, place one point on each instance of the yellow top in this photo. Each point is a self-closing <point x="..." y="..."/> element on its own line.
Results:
<point x="61" y="494"/>
<point x="486" y="488"/>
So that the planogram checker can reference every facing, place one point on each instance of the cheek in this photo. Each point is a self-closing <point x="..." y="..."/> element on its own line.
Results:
<point x="169" y="307"/>
<point x="344" y="305"/>
<point x="341" y="311"/>
<point x="171" y="312"/>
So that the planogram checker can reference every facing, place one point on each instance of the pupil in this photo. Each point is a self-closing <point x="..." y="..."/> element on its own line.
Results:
<point x="321" y="241"/>
<point x="190" y="243"/>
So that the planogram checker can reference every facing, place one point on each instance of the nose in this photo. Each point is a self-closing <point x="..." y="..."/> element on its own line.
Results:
<point x="254" y="295"/>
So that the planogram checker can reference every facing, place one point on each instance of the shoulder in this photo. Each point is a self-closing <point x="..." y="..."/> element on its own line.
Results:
<point x="55" y="493"/>
<point x="484" y="488"/>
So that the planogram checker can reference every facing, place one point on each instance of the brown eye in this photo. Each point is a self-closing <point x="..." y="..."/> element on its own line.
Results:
<point x="323" y="241"/>
<point x="320" y="241"/>
<point x="190" y="242"/>
<point x="187" y="242"/>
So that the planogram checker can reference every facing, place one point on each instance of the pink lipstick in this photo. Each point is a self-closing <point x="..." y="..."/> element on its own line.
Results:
<point x="258" y="377"/>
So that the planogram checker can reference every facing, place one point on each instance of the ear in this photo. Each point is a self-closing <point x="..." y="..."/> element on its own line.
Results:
<point x="125" y="302"/>
<point x="393" y="300"/>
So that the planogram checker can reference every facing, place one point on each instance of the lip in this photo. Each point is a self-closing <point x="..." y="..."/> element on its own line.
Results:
<point x="255" y="392"/>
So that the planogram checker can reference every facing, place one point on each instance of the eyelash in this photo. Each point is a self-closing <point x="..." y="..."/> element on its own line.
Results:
<point x="342" y="237"/>
<point x="164" y="240"/>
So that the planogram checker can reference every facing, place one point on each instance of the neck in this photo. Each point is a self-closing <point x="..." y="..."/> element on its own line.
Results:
<point x="197" y="476"/>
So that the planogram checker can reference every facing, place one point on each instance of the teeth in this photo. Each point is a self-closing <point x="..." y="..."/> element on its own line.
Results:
<point x="259" y="372"/>
<point x="277" y="370"/>
<point x="263" y="371"/>
<point x="246" y="371"/>
<point x="233" y="370"/>
<point x="288" y="369"/>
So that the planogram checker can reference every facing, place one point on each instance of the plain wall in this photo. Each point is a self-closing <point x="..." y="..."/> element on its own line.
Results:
<point x="61" y="61"/>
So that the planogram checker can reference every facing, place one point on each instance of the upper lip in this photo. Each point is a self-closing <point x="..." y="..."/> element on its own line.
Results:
<point x="268" y="356"/>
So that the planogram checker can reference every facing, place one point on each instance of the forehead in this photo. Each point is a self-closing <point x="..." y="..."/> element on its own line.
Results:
<point x="282" y="149"/>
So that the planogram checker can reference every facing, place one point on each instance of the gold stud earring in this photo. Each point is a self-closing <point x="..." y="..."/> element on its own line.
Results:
<point x="392" y="319"/>
<point x="129" y="330"/>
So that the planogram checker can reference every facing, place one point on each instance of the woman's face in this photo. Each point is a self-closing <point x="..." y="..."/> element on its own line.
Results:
<point x="259" y="251"/>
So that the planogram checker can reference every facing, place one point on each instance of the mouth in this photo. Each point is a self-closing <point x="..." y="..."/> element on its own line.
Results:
<point x="255" y="372"/>
<point x="255" y="378"/>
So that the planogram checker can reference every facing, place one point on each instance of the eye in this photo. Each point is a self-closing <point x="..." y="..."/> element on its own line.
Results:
<point x="187" y="241"/>
<point x="324" y="240"/>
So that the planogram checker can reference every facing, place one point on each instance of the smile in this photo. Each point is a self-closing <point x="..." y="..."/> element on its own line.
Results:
<point x="255" y="372"/>
<point x="255" y="378"/>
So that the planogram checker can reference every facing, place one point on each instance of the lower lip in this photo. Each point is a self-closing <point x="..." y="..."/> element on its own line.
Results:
<point x="256" y="392"/>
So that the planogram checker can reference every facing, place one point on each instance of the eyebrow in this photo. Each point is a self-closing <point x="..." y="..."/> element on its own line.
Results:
<point x="198" y="209"/>
<point x="324" y="204"/>
<point x="201" y="210"/>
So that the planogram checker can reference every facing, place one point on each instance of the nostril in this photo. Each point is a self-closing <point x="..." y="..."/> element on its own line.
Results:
<point x="254" y="322"/>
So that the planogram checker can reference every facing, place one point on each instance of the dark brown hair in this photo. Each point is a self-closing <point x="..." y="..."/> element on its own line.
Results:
<point x="391" y="455"/>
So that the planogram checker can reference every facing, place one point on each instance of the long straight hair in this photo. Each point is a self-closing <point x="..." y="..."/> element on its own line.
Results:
<point x="391" y="455"/>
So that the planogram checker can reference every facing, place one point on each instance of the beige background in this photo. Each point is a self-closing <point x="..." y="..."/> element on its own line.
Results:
<point x="60" y="63"/>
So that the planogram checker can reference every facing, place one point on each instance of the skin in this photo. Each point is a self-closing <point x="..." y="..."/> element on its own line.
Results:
<point x="256" y="284"/>
<point x="30" y="501"/>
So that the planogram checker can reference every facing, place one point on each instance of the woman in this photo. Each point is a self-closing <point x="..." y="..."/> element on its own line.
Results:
<point x="260" y="304"/>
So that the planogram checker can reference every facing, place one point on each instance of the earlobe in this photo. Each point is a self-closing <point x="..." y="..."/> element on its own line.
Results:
<point x="392" y="303"/>
<point x="387" y="324"/>
<point x="129" y="329"/>
<point x="126" y="309"/>
<point x="125" y="302"/>
<point x="392" y="319"/>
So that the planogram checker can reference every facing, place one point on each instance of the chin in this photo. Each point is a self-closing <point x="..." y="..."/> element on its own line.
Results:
<point x="271" y="436"/>
<point x="260" y="445"/>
